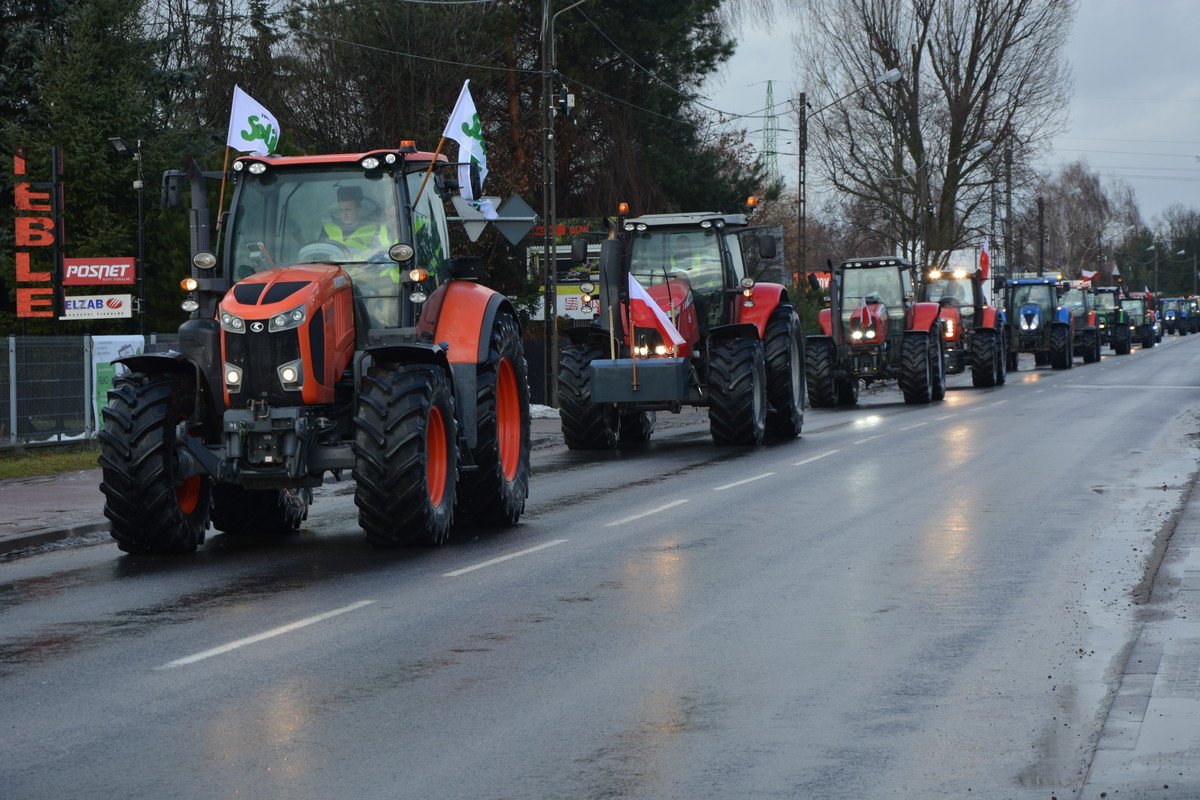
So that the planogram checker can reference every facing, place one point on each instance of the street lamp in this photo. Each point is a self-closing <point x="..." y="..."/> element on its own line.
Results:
<point x="891" y="76"/>
<point x="1154" y="249"/>
<point x="549" y="220"/>
<point x="123" y="149"/>
<point x="1193" y="259"/>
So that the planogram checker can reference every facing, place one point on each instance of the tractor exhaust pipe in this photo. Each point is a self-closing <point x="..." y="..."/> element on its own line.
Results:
<point x="198" y="219"/>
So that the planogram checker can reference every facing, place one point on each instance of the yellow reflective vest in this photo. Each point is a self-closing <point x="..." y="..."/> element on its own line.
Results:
<point x="362" y="239"/>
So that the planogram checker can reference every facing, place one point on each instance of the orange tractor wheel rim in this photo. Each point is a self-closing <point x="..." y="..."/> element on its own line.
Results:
<point x="187" y="494"/>
<point x="435" y="456"/>
<point x="508" y="420"/>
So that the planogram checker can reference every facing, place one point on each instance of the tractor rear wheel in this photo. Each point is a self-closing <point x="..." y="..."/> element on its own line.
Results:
<point x="915" y="379"/>
<point x="784" y="351"/>
<point x="150" y="509"/>
<point x="405" y="455"/>
<point x="1060" y="347"/>
<point x="1091" y="350"/>
<point x="818" y="373"/>
<point x="494" y="493"/>
<point x="585" y="425"/>
<point x="984" y="357"/>
<point x="937" y="366"/>
<point x="1012" y="362"/>
<point x="1122" y="341"/>
<point x="737" y="392"/>
<point x="258" y="513"/>
<point x="636" y="426"/>
<point x="1148" y="340"/>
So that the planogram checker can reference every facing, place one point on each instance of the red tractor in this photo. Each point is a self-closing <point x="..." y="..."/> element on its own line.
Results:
<point x="333" y="333"/>
<point x="972" y="329"/>
<point x="678" y="321"/>
<point x="874" y="330"/>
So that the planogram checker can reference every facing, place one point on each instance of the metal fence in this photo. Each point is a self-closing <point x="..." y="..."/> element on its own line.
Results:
<point x="47" y="389"/>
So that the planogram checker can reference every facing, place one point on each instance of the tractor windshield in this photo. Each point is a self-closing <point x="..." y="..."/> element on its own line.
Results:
<point x="693" y="254"/>
<point x="957" y="289"/>
<point x="1076" y="300"/>
<point x="1105" y="300"/>
<point x="1170" y="305"/>
<point x="880" y="284"/>
<point x="1134" y="305"/>
<point x="1038" y="294"/>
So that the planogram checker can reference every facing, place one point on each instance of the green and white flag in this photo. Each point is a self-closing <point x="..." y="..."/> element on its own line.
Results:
<point x="252" y="129"/>
<point x="464" y="127"/>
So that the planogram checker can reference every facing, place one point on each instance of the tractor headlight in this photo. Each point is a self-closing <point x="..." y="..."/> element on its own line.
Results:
<point x="869" y="334"/>
<point x="233" y="378"/>
<point x="257" y="168"/>
<point x="370" y="162"/>
<point x="231" y="323"/>
<point x="856" y="335"/>
<point x="291" y="375"/>
<point x="204" y="261"/>
<point x="287" y="320"/>
<point x="949" y="329"/>
<point x="190" y="306"/>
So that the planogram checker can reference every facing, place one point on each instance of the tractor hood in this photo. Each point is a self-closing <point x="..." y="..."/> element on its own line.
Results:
<point x="276" y="291"/>
<point x="868" y="324"/>
<point x="1030" y="317"/>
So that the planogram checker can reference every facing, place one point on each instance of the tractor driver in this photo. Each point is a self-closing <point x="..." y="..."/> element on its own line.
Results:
<point x="349" y="229"/>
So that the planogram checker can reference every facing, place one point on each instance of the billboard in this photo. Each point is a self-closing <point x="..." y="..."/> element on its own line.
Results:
<point x="98" y="271"/>
<point x="98" y="306"/>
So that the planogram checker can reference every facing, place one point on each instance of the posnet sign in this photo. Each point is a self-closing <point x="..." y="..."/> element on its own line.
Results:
<point x="98" y="271"/>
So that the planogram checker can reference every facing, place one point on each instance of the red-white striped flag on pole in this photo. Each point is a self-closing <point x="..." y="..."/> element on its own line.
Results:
<point x="647" y="314"/>
<point x="1087" y="275"/>
<point x="985" y="260"/>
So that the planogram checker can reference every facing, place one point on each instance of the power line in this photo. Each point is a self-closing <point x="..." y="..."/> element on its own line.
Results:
<point x="1126" y="152"/>
<point x="1150" y="141"/>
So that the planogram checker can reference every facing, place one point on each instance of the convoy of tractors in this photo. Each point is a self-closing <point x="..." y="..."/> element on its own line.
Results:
<point x="330" y="330"/>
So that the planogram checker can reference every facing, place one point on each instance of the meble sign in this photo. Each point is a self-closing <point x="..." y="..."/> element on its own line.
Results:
<point x="100" y="306"/>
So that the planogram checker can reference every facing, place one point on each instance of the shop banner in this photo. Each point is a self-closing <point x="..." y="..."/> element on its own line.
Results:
<point x="104" y="350"/>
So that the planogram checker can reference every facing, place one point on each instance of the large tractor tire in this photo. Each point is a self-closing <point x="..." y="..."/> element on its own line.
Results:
<point x="1041" y="358"/>
<point x="637" y="426"/>
<point x="986" y="360"/>
<point x="585" y="425"/>
<point x="258" y="513"/>
<point x="916" y="382"/>
<point x="1012" y="362"/>
<point x="1148" y="340"/>
<point x="737" y="392"/>
<point x="1122" y="341"/>
<point x="937" y="366"/>
<point x="494" y="493"/>
<point x="784" y="350"/>
<point x="1090" y="347"/>
<point x="824" y="389"/>
<point x="405" y="455"/>
<point x="151" y="510"/>
<point x="848" y="391"/>
<point x="1061" y="355"/>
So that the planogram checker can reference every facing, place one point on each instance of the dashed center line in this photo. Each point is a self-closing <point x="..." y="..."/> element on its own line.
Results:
<point x="870" y="438"/>
<point x="942" y="417"/>
<point x="743" y="481"/>
<point x="258" y="637"/>
<point x="502" y="559"/>
<point x="815" y="458"/>
<point x="624" y="520"/>
<point x="997" y="403"/>
<point x="917" y="425"/>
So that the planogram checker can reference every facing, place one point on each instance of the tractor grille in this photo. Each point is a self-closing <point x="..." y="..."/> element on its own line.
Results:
<point x="259" y="355"/>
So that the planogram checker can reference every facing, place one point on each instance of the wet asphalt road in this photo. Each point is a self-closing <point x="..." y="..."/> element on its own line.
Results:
<point x="907" y="601"/>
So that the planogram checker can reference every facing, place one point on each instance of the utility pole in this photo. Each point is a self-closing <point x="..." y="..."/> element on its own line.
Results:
<point x="1009" y="256"/>
<point x="801" y="204"/>
<point x="140" y="185"/>
<point x="1041" y="236"/>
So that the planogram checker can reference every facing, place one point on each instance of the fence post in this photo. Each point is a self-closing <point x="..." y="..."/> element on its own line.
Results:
<point x="88" y="389"/>
<point x="12" y="390"/>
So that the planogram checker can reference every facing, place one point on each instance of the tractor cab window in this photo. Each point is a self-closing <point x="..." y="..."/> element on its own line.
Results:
<point x="958" y="290"/>
<point x="693" y="255"/>
<point x="884" y="284"/>
<point x="1134" y="305"/>
<point x="1038" y="294"/>
<point x="1105" y="300"/>
<point x="431" y="236"/>
<point x="1076" y="300"/>
<point x="1170" y="305"/>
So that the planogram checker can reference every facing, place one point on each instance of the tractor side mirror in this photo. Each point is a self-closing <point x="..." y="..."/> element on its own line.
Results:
<point x="579" y="250"/>
<point x="172" y="188"/>
<point x="465" y="268"/>
<point x="766" y="247"/>
<point x="827" y="302"/>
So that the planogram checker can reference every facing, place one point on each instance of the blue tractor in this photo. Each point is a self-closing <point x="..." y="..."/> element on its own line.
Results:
<point x="1175" y="315"/>
<point x="1038" y="322"/>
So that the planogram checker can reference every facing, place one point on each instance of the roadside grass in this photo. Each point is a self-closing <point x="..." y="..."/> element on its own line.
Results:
<point x="47" y="461"/>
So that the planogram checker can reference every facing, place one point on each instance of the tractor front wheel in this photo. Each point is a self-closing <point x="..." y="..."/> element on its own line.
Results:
<point x="1090" y="347"/>
<point x="1122" y="341"/>
<point x="495" y="492"/>
<point x="937" y="366"/>
<point x="916" y="382"/>
<point x="585" y="425"/>
<point x="818" y="373"/>
<point x="1061" y="356"/>
<point x="258" y="513"/>
<point x="986" y="363"/>
<point x="151" y="509"/>
<point x="784" y="351"/>
<point x="737" y="392"/>
<point x="405" y="455"/>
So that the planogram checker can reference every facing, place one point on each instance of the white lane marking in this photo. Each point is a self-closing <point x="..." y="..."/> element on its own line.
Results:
<point x="870" y="438"/>
<point x="943" y="416"/>
<point x="1131" y="386"/>
<point x="815" y="458"/>
<point x="624" y="520"/>
<point x="997" y="403"/>
<point x="502" y="559"/>
<point x="910" y="427"/>
<point x="743" y="481"/>
<point x="258" y="637"/>
<point x="1038" y="391"/>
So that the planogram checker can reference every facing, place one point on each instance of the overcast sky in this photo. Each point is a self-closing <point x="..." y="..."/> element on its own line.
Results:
<point x="1135" y="111"/>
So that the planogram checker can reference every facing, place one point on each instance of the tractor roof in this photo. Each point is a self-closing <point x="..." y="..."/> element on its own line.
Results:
<point x="876" y="261"/>
<point x="689" y="219"/>
<point x="275" y="162"/>
<point x="1032" y="282"/>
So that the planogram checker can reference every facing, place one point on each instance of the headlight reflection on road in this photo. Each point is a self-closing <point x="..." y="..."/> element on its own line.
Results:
<point x="653" y="579"/>
<point x="276" y="718"/>
<point x="946" y="554"/>
<point x="869" y="421"/>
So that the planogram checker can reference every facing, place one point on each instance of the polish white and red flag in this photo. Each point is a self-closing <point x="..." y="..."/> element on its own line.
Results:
<point x="647" y="314"/>
<point x="985" y="260"/>
<point x="1087" y="275"/>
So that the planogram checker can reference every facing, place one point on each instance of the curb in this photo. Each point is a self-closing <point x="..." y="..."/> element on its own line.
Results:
<point x="41" y="536"/>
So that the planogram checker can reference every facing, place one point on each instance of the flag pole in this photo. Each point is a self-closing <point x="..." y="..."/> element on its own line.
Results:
<point x="221" y="200"/>
<point x="428" y="172"/>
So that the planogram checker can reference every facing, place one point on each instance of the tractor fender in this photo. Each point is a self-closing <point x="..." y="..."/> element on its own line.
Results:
<point x="825" y="320"/>
<point x="1063" y="314"/>
<point x="767" y="297"/>
<point x="737" y="330"/>
<point x="204" y="411"/>
<point x="466" y="328"/>
<point x="924" y="316"/>
<point x="989" y="318"/>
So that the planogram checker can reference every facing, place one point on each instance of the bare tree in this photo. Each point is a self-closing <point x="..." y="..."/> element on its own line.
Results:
<point x="921" y="152"/>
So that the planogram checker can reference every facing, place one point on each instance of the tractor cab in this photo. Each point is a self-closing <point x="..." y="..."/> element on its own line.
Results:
<point x="873" y="298"/>
<point x="972" y="331"/>
<point x="1038" y="322"/>
<point x="1112" y="320"/>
